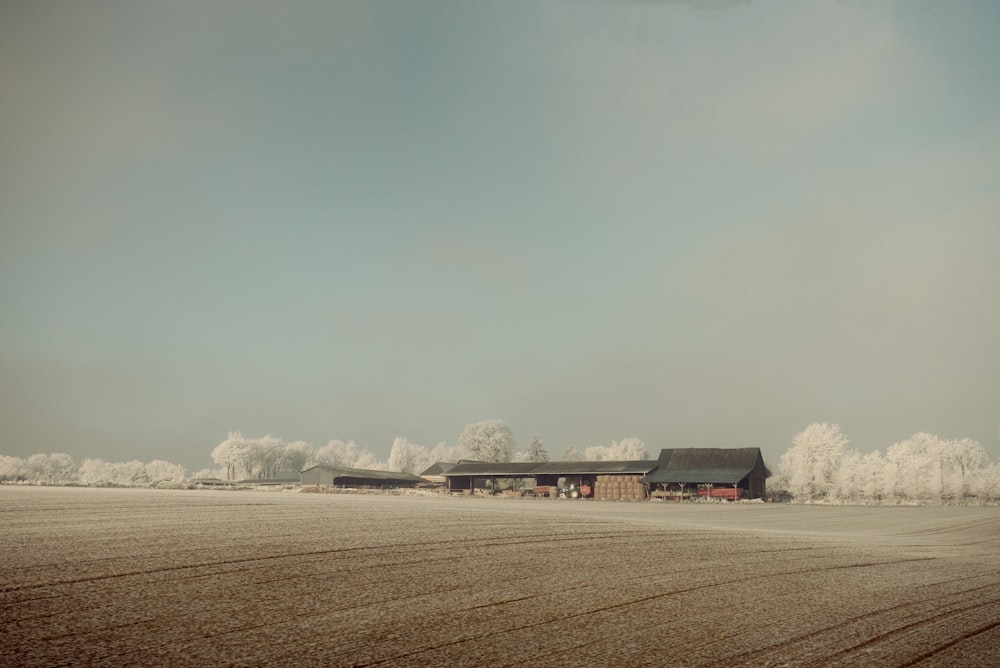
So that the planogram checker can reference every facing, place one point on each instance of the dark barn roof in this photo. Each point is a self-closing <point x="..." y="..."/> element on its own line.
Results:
<point x="440" y="468"/>
<point x="532" y="469"/>
<point x="368" y="474"/>
<point x="707" y="465"/>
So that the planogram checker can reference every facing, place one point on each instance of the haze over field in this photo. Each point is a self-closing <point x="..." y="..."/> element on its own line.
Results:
<point x="699" y="224"/>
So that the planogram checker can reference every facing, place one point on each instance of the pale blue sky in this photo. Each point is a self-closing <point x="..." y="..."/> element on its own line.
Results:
<point x="702" y="224"/>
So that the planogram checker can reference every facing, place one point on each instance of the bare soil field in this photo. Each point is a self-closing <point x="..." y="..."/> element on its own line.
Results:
<point x="209" y="578"/>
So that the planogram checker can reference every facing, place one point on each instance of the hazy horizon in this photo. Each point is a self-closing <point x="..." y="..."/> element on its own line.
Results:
<point x="699" y="224"/>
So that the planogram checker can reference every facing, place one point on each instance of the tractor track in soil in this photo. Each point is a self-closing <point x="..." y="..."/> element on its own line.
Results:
<point x="130" y="577"/>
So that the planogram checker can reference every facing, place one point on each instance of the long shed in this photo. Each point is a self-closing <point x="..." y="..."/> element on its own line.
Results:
<point x="611" y="480"/>
<point x="340" y="476"/>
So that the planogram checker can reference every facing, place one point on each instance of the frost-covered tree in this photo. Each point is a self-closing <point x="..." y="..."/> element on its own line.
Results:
<point x="926" y="466"/>
<point x="95" y="472"/>
<point x="848" y="478"/>
<point x="811" y="462"/>
<point x="488" y="441"/>
<point x="296" y="455"/>
<point x="916" y="467"/>
<point x="407" y="457"/>
<point x="160" y="470"/>
<point x="536" y="451"/>
<point x="232" y="453"/>
<point x="346" y="454"/>
<point x="12" y="469"/>
<point x="367" y="460"/>
<point x="263" y="456"/>
<point x="337" y="453"/>
<point x="57" y="468"/>
<point x="627" y="449"/>
<point x="986" y="483"/>
<point x="129" y="474"/>
<point x="964" y="458"/>
<point x="572" y="454"/>
<point x="443" y="452"/>
<point x="873" y="476"/>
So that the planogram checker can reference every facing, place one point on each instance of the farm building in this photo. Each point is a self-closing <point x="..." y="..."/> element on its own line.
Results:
<point x="728" y="473"/>
<point x="435" y="472"/>
<point x="611" y="480"/>
<point x="338" y="476"/>
<point x="678" y="473"/>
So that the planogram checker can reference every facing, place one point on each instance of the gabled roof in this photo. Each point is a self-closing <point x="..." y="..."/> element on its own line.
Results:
<point x="707" y="465"/>
<point x="369" y="474"/>
<point x="531" y="469"/>
<point x="440" y="468"/>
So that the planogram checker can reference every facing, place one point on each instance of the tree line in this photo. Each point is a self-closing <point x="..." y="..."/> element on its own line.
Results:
<point x="488" y="440"/>
<point x="268" y="457"/>
<point x="59" y="468"/>
<point x="924" y="468"/>
<point x="818" y="467"/>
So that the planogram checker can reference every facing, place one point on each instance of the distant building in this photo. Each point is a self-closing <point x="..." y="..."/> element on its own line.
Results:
<point x="723" y="473"/>
<point x="608" y="480"/>
<point x="339" y="476"/>
<point x="435" y="472"/>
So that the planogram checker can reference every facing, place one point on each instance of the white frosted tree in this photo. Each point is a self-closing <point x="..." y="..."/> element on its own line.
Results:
<point x="96" y="472"/>
<point x="442" y="452"/>
<point x="264" y="455"/>
<point x="367" y="460"/>
<point x="488" y="441"/>
<point x="11" y="468"/>
<point x="296" y="455"/>
<point x="627" y="449"/>
<point x="917" y="467"/>
<point x="57" y="468"/>
<point x="928" y="467"/>
<point x="160" y="470"/>
<point x="132" y="473"/>
<point x="873" y="474"/>
<point x="811" y="462"/>
<point x="232" y="454"/>
<point x="963" y="459"/>
<point x="337" y="453"/>
<point x="848" y="478"/>
<point x="985" y="484"/>
<point x="536" y="451"/>
<point x="407" y="457"/>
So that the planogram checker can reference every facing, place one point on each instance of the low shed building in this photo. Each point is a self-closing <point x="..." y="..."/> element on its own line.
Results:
<point x="729" y="473"/>
<point x="610" y="480"/>
<point x="338" y="476"/>
<point x="435" y="473"/>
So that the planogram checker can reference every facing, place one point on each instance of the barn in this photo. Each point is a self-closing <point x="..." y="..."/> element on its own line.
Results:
<point x="678" y="473"/>
<point x="726" y="473"/>
<point x="339" y="476"/>
<point x="609" y="480"/>
<point x="434" y="473"/>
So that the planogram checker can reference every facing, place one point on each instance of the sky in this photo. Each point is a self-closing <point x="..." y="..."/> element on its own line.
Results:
<point x="702" y="224"/>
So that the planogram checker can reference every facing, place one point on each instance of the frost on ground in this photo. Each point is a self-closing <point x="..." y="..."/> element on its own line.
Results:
<point x="158" y="577"/>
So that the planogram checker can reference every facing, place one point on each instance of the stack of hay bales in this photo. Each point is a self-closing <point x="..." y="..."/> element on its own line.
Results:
<point x="619" y="488"/>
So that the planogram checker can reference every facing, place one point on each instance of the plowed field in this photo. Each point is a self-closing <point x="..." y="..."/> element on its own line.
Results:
<point x="146" y="577"/>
